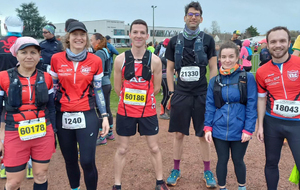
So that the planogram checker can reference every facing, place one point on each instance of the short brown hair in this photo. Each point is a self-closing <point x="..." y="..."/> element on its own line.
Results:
<point x="103" y="42"/>
<point x="139" y="21"/>
<point x="278" y="28"/>
<point x="229" y="45"/>
<point x="195" y="5"/>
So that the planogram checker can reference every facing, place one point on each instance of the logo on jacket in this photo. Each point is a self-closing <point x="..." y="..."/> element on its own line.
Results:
<point x="293" y="75"/>
<point x="7" y="44"/>
<point x="85" y="70"/>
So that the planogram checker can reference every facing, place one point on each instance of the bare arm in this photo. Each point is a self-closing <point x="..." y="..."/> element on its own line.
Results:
<point x="118" y="73"/>
<point x="261" y="110"/>
<point x="157" y="74"/>
<point x="170" y="75"/>
<point x="296" y="52"/>
<point x="213" y="69"/>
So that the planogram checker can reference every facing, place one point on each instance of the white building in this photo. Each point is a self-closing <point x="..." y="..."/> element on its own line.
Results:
<point x="119" y="31"/>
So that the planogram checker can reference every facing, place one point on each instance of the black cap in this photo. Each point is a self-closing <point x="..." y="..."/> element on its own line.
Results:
<point x="107" y="37"/>
<point x="75" y="25"/>
<point x="29" y="44"/>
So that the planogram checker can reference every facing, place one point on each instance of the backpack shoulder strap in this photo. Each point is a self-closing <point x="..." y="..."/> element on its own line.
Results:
<point x="243" y="87"/>
<point x="217" y="92"/>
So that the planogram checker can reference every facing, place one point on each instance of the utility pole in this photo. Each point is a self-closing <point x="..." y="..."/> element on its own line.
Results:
<point x="153" y="33"/>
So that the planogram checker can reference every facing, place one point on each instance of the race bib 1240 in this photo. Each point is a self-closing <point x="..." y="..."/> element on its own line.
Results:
<point x="73" y="120"/>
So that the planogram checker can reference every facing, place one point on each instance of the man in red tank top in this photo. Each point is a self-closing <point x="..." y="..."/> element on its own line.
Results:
<point x="137" y="105"/>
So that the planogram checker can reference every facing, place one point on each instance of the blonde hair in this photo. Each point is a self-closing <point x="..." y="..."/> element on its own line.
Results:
<point x="66" y="41"/>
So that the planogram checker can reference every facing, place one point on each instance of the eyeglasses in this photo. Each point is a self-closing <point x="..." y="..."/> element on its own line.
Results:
<point x="193" y="14"/>
<point x="46" y="32"/>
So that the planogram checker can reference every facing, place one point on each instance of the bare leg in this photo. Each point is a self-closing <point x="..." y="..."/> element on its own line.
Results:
<point x="14" y="179"/>
<point x="178" y="145"/>
<point x="40" y="172"/>
<point x="155" y="155"/>
<point x="205" y="149"/>
<point x="120" y="158"/>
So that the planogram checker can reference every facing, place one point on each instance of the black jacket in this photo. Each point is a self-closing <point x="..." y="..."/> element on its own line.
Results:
<point x="50" y="47"/>
<point x="7" y="60"/>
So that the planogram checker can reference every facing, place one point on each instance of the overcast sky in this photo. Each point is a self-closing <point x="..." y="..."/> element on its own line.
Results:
<point x="230" y="14"/>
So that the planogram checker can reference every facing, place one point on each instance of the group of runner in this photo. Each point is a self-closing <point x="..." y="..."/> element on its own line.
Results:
<point x="223" y="111"/>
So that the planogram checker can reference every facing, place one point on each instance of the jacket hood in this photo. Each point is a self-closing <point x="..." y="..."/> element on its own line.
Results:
<point x="246" y="43"/>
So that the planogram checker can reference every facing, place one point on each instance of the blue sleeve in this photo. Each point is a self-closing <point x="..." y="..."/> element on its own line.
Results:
<point x="51" y="108"/>
<point x="113" y="50"/>
<point x="100" y="100"/>
<point x="251" y="107"/>
<point x="210" y="104"/>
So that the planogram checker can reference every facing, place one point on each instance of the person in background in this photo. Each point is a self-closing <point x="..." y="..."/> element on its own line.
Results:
<point x="246" y="56"/>
<point x="229" y="123"/>
<point x="50" y="45"/>
<point x="99" y="44"/>
<point x="150" y="47"/>
<point x="163" y="105"/>
<point x="236" y="34"/>
<point x="296" y="47"/>
<point x="112" y="51"/>
<point x="264" y="54"/>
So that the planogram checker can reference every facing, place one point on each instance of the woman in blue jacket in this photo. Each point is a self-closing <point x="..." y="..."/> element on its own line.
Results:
<point x="231" y="114"/>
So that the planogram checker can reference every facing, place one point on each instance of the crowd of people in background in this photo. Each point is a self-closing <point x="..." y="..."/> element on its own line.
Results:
<point x="59" y="90"/>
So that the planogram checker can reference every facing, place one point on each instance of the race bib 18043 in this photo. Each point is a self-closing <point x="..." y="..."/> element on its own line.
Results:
<point x="286" y="108"/>
<point x="74" y="120"/>
<point x="135" y="97"/>
<point x="32" y="129"/>
<point x="189" y="74"/>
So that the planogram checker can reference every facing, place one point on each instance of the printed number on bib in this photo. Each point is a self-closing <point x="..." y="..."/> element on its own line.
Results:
<point x="32" y="129"/>
<point x="135" y="97"/>
<point x="189" y="74"/>
<point x="286" y="108"/>
<point x="74" y="120"/>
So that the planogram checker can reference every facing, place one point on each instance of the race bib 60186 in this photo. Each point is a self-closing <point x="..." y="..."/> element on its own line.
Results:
<point x="135" y="97"/>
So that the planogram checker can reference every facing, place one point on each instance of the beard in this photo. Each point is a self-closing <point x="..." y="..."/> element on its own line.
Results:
<point x="278" y="55"/>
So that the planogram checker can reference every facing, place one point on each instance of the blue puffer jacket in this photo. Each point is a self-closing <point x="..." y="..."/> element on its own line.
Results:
<point x="48" y="48"/>
<point x="231" y="120"/>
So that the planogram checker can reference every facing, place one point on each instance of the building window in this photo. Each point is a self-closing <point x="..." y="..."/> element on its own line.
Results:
<point x="119" y="32"/>
<point x="95" y="30"/>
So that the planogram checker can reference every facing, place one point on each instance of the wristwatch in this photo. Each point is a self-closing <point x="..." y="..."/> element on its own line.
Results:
<point x="170" y="93"/>
<point x="105" y="115"/>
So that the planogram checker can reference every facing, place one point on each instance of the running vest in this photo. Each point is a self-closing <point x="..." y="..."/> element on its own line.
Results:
<point x="129" y="65"/>
<point x="242" y="85"/>
<point x="200" y="55"/>
<point x="14" y="96"/>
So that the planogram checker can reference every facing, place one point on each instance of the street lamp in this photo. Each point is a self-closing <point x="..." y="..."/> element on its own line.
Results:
<point x="153" y="33"/>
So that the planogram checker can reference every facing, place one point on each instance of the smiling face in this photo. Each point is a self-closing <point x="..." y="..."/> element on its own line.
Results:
<point x="228" y="58"/>
<point x="278" y="45"/>
<point x="78" y="41"/>
<point x="193" y="18"/>
<point x="138" y="35"/>
<point x="28" y="57"/>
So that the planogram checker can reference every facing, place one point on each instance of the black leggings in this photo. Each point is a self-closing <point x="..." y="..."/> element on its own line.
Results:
<point x="86" y="139"/>
<point x="275" y="130"/>
<point x="166" y="96"/>
<point x="106" y="92"/>
<point x="238" y="150"/>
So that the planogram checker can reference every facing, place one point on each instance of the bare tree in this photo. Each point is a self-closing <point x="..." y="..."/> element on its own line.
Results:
<point x="215" y="28"/>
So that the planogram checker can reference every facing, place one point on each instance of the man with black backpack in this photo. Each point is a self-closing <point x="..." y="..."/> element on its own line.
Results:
<point x="189" y="53"/>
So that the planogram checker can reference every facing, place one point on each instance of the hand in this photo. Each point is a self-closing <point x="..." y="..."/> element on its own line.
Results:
<point x="208" y="136"/>
<point x="260" y="134"/>
<point x="245" y="137"/>
<point x="105" y="127"/>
